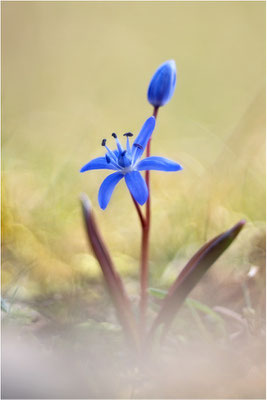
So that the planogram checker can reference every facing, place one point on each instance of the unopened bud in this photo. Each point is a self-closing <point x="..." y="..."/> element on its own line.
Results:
<point x="162" y="84"/>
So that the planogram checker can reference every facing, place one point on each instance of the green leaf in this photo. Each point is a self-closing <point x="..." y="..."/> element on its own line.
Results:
<point x="204" y="309"/>
<point x="159" y="293"/>
<point x="197" y="305"/>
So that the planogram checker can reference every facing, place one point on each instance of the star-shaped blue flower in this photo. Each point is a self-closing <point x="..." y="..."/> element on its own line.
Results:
<point x="127" y="165"/>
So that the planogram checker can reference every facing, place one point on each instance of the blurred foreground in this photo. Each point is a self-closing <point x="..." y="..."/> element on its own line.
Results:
<point x="210" y="353"/>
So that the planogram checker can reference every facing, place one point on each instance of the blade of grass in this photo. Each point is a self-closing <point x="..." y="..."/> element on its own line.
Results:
<point x="196" y="317"/>
<point x="159" y="293"/>
<point x="209" y="312"/>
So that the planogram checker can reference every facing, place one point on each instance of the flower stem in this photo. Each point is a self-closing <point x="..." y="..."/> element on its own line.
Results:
<point x="139" y="212"/>
<point x="145" y="246"/>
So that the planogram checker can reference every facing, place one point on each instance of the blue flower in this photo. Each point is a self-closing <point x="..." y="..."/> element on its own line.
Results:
<point x="162" y="84"/>
<point x="127" y="165"/>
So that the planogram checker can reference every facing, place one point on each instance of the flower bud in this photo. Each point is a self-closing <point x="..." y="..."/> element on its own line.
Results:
<point x="162" y="84"/>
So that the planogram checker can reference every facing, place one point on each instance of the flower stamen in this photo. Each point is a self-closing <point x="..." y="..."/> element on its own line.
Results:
<point x="112" y="157"/>
<point x="120" y="148"/>
<point x="128" y="134"/>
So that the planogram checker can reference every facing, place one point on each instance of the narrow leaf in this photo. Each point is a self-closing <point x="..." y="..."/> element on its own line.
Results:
<point x="159" y="293"/>
<point x="192" y="303"/>
<point x="113" y="281"/>
<point x="192" y="273"/>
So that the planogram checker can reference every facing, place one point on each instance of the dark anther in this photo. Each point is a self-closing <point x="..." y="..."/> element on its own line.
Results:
<point x="129" y="134"/>
<point x="103" y="143"/>
<point x="138" y="145"/>
<point x="123" y="153"/>
<point x="107" y="159"/>
<point x="114" y="135"/>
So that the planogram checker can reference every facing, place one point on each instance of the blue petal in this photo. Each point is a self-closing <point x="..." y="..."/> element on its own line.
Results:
<point x="158" y="164"/>
<point x="107" y="187"/>
<point x="162" y="84"/>
<point x="143" y="137"/>
<point x="137" y="186"/>
<point x="97" y="163"/>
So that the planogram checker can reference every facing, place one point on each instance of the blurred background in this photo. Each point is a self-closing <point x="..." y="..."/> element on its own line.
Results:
<point x="73" y="73"/>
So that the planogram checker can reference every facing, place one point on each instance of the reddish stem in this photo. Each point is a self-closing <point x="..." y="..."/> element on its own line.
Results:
<point x="145" y="245"/>
<point x="139" y="212"/>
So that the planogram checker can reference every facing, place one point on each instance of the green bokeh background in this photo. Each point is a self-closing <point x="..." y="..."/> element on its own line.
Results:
<point x="73" y="73"/>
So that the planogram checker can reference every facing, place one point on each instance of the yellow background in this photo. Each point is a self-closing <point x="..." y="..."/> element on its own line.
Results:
<point x="73" y="73"/>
